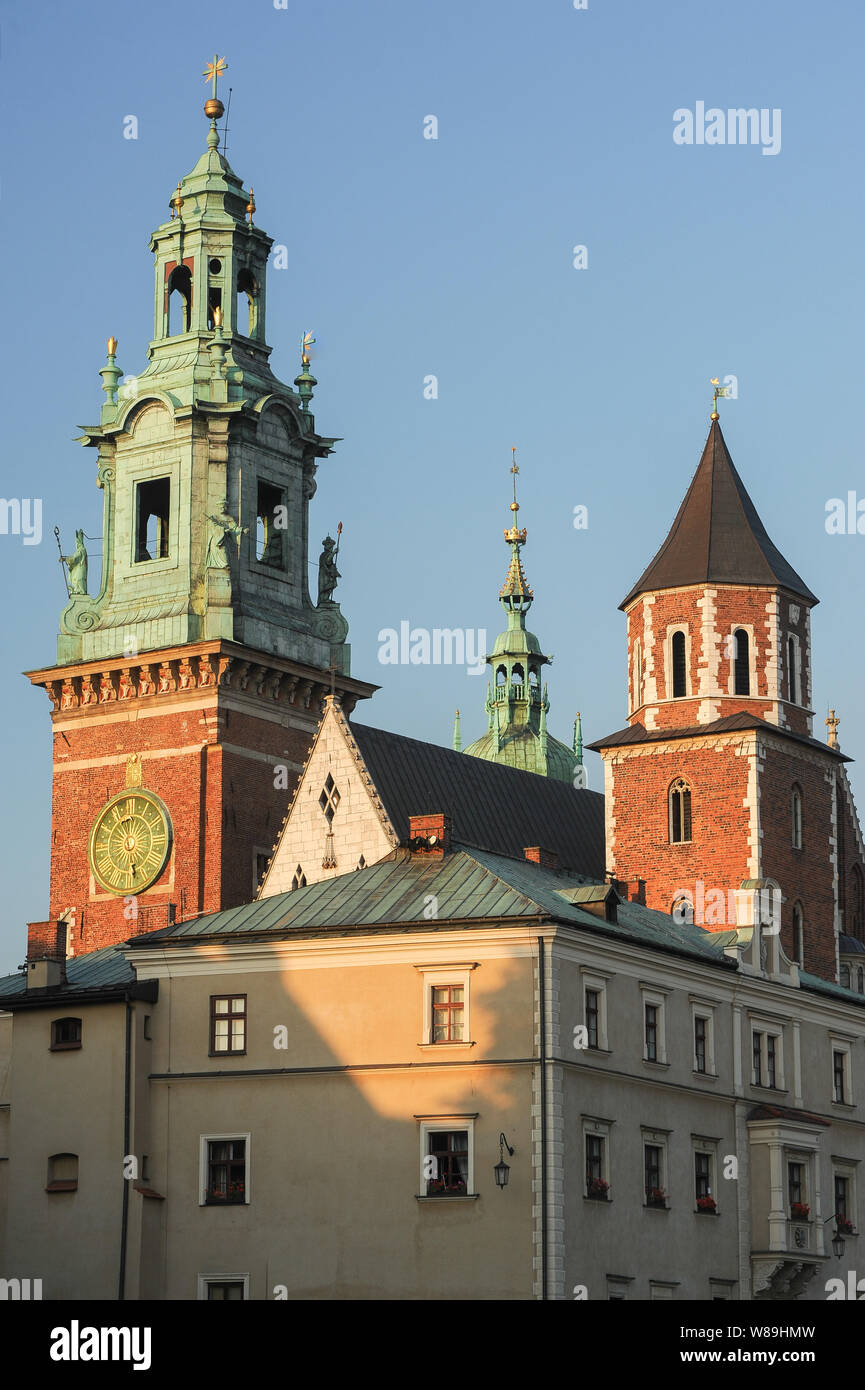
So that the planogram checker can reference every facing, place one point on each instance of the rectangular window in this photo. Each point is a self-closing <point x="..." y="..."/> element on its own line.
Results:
<point x="152" y="509"/>
<point x="223" y="1292"/>
<point x="448" y="1006"/>
<point x="227" y="1024"/>
<point x="839" y="1076"/>
<point x="842" y="1196"/>
<point x="770" y="1060"/>
<point x="226" y="1172"/>
<point x="700" y="1029"/>
<point x="651" y="1033"/>
<point x="758" y="1058"/>
<point x="796" y="1184"/>
<point x="270" y="527"/>
<point x="702" y="1176"/>
<point x="652" y="1171"/>
<point x="592" y="1016"/>
<point x="447" y="1162"/>
<point x="596" y="1185"/>
<point x="65" y="1034"/>
<point x="680" y="683"/>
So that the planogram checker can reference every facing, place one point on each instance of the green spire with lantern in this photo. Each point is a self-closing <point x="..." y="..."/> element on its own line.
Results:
<point x="517" y="703"/>
<point x="207" y="461"/>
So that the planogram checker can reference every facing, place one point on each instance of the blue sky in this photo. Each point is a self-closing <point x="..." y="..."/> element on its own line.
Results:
<point x="454" y="257"/>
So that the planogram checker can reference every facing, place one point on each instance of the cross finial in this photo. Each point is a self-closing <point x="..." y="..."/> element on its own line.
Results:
<point x="832" y="725"/>
<point x="211" y="73"/>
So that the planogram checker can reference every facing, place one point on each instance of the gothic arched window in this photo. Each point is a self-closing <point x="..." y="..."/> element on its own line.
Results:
<point x="798" y="934"/>
<point x="741" y="667"/>
<point x="680" y="674"/>
<point x="682" y="910"/>
<point x="796" y="817"/>
<point x="680" y="812"/>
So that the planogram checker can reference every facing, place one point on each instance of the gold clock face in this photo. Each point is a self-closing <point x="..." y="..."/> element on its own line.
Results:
<point x="130" y="842"/>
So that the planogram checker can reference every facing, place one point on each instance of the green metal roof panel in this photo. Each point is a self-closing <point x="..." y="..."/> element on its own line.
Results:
<point x="106" y="967"/>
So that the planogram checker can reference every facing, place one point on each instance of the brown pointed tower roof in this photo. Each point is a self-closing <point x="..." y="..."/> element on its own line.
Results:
<point x="717" y="536"/>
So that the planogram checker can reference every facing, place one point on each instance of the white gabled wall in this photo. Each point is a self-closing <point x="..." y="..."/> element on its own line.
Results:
<point x="360" y="826"/>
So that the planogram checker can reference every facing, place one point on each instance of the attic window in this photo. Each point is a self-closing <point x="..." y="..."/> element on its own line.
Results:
<point x="361" y="864"/>
<point x="270" y="512"/>
<point x="299" y="880"/>
<point x="329" y="799"/>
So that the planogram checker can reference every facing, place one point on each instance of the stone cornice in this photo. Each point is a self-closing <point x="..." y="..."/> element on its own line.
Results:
<point x="187" y="669"/>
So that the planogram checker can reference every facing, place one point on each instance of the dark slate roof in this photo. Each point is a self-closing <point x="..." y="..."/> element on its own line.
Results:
<point x="492" y="807"/>
<point x="717" y="536"/>
<point x="470" y="886"/>
<point x="636" y="733"/>
<point x="93" y="971"/>
<point x="850" y="946"/>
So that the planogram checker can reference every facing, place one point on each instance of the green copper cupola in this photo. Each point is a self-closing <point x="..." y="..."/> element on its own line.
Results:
<point x="517" y="703"/>
<point x="207" y="460"/>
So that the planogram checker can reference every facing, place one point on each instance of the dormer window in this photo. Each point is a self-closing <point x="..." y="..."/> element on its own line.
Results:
<point x="741" y="663"/>
<point x="680" y="670"/>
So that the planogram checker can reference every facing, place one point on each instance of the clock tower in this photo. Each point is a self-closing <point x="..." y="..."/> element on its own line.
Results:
<point x="190" y="671"/>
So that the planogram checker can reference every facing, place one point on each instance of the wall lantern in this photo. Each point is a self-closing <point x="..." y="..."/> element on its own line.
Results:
<point x="502" y="1170"/>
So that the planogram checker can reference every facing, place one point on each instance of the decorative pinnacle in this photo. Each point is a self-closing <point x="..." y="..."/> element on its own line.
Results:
<point x="832" y="725"/>
<point x="176" y="202"/>
<point x="514" y="534"/>
<point x="213" y="107"/>
<point x="250" y="207"/>
<point x="112" y="348"/>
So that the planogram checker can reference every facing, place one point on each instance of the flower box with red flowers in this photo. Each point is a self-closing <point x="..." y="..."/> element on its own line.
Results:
<point x="844" y="1225"/>
<point x="598" y="1190"/>
<point x="800" y="1211"/>
<point x="707" y="1205"/>
<point x="656" y="1197"/>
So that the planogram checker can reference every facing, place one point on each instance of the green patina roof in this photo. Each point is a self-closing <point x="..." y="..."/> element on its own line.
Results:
<point x="519" y="746"/>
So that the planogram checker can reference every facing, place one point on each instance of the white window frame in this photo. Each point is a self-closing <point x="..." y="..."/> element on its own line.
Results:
<point x="205" y="1279"/>
<point x="776" y="1031"/>
<point x="659" y="1139"/>
<point x="661" y="1289"/>
<point x="593" y="1126"/>
<point x="637" y="675"/>
<point x="704" y="1144"/>
<point x="846" y="1168"/>
<point x="650" y="994"/>
<point x="433" y="977"/>
<point x="804" y="1157"/>
<point x="752" y="661"/>
<point x="844" y="1046"/>
<point x="209" y="1138"/>
<point x="668" y="661"/>
<point x="700" y="1008"/>
<point x="590" y="980"/>
<point x="429" y="1123"/>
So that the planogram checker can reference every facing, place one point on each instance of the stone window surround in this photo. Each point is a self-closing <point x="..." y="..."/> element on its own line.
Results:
<point x="655" y="995"/>
<point x="703" y="1008"/>
<point x="209" y="1138"/>
<point x="668" y="661"/>
<point x="748" y="629"/>
<point x="592" y="979"/>
<point x="447" y="1123"/>
<point x="843" y="1043"/>
<point x="433" y="976"/>
<point x="659" y="1139"/>
<point x="203" y="1280"/>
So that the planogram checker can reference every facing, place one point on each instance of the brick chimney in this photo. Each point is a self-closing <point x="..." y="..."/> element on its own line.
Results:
<point x="547" y="858"/>
<point x="633" y="890"/>
<point x="46" y="954"/>
<point x="430" y="834"/>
